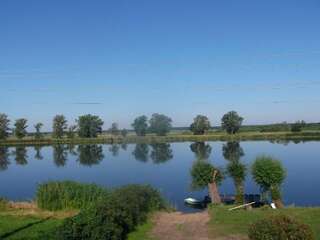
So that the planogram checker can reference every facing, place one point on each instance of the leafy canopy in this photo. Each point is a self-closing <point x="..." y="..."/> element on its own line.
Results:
<point x="59" y="126"/>
<point x="231" y="122"/>
<point x="160" y="124"/>
<point x="89" y="126"/>
<point x="200" y="125"/>
<point x="140" y="125"/>
<point x="4" y="126"/>
<point x="20" y="129"/>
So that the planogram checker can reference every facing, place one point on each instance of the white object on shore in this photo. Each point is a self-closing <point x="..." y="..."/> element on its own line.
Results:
<point x="192" y="201"/>
<point x="273" y="206"/>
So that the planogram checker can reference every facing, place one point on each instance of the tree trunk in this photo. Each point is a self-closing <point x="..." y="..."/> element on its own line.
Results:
<point x="278" y="203"/>
<point x="213" y="190"/>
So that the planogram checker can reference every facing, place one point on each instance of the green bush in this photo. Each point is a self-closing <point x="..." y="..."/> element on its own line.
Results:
<point x="280" y="227"/>
<point x="68" y="195"/>
<point x="114" y="217"/>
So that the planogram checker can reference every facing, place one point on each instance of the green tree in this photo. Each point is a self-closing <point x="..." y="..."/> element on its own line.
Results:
<point x="269" y="174"/>
<point x="231" y="122"/>
<point x="114" y="130"/>
<point x="59" y="126"/>
<point x="4" y="126"/>
<point x="140" y="125"/>
<point x="20" y="127"/>
<point x="71" y="131"/>
<point x="201" y="150"/>
<point x="160" y="124"/>
<point x="89" y="126"/>
<point x="204" y="175"/>
<point x="38" y="133"/>
<point x="232" y="152"/>
<point x="200" y="125"/>
<point x="297" y="126"/>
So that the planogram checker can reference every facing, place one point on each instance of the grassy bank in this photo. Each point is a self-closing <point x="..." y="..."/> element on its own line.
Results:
<point x="172" y="137"/>
<point x="227" y="223"/>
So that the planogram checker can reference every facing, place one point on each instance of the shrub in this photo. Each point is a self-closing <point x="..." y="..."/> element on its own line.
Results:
<point x="115" y="217"/>
<point x="280" y="227"/>
<point x="68" y="195"/>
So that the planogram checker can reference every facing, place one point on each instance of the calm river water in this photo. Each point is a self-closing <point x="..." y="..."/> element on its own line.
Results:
<point x="164" y="166"/>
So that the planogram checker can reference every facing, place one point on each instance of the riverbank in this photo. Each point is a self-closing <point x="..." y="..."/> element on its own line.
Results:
<point x="172" y="137"/>
<point x="26" y="221"/>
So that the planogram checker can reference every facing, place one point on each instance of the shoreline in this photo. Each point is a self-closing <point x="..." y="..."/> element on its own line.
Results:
<point x="170" y="138"/>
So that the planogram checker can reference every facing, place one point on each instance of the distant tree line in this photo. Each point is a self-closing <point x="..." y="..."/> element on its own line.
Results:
<point x="90" y="126"/>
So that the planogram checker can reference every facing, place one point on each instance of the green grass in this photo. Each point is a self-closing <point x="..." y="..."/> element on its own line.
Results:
<point x="224" y="222"/>
<point x="142" y="232"/>
<point x="26" y="227"/>
<point x="171" y="137"/>
<point x="61" y="195"/>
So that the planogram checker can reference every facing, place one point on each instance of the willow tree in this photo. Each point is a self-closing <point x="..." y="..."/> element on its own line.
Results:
<point x="4" y="126"/>
<point x="232" y="152"/>
<point x="205" y="175"/>
<point x="200" y="125"/>
<point x="269" y="173"/>
<point x="231" y="122"/>
<point x="20" y="130"/>
<point x="59" y="126"/>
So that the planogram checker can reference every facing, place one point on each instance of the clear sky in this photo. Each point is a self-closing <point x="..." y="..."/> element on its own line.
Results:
<point x="119" y="59"/>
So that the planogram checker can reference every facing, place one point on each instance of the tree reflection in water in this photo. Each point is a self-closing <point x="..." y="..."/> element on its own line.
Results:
<point x="114" y="149"/>
<point x="60" y="155"/>
<point x="21" y="155"/>
<point x="141" y="152"/>
<point x="232" y="152"/>
<point x="90" y="154"/>
<point x="161" y="152"/>
<point x="201" y="150"/>
<point x="38" y="155"/>
<point x="4" y="158"/>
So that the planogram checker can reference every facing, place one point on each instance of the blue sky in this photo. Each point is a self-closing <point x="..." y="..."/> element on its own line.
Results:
<point x="119" y="59"/>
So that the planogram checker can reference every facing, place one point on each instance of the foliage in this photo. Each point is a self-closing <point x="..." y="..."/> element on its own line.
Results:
<point x="4" y="126"/>
<point x="140" y="125"/>
<point x="89" y="126"/>
<point x="38" y="127"/>
<point x="231" y="122"/>
<point x="280" y="228"/>
<point x="20" y="128"/>
<point x="200" y="125"/>
<point x="114" y="130"/>
<point x="202" y="174"/>
<point x="269" y="174"/>
<point x="297" y="126"/>
<point x="71" y="131"/>
<point x="278" y="127"/>
<point x="3" y="203"/>
<point x="58" y="195"/>
<point x="201" y="150"/>
<point x="160" y="124"/>
<point x="115" y="217"/>
<point x="59" y="126"/>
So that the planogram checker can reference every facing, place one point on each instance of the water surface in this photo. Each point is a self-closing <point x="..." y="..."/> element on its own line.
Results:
<point x="165" y="166"/>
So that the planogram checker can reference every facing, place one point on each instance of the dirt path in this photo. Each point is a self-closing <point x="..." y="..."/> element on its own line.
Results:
<point x="181" y="226"/>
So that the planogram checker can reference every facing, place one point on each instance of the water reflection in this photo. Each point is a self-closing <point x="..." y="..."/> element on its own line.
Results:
<point x="72" y="149"/>
<point x="141" y="152"/>
<point x="4" y="158"/>
<point x="60" y="155"/>
<point x="90" y="154"/>
<point x="161" y="152"/>
<point x="124" y="146"/>
<point x="114" y="149"/>
<point x="38" y="154"/>
<point x="232" y="152"/>
<point x="201" y="150"/>
<point x="21" y="156"/>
